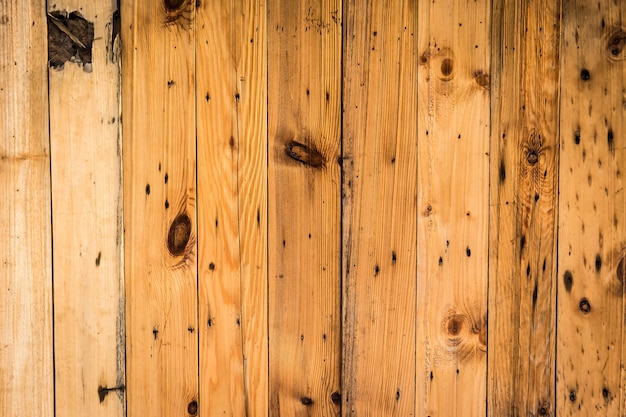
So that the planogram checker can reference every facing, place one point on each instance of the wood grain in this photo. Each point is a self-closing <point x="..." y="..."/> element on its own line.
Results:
<point x="453" y="198"/>
<point x="26" y="367"/>
<point x="159" y="207"/>
<point x="304" y="243"/>
<point x="86" y="144"/>
<point x="379" y="208"/>
<point x="524" y="197"/>
<point x="592" y="240"/>
<point x="231" y="102"/>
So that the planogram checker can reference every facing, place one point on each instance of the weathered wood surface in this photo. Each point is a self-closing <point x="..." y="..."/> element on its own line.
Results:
<point x="379" y="199"/>
<point x="26" y="368"/>
<point x="160" y="207"/>
<point x="329" y="208"/>
<point x="304" y="244"/>
<point x="453" y="205"/>
<point x="524" y="197"/>
<point x="87" y="224"/>
<point x="592" y="211"/>
<point x="231" y="97"/>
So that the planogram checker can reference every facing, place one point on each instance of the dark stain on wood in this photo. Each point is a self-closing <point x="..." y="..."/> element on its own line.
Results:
<point x="306" y="401"/>
<point x="568" y="280"/>
<point x="70" y="38"/>
<point x="179" y="234"/>
<point x="98" y="258"/>
<point x="305" y="154"/>
<point x="104" y="391"/>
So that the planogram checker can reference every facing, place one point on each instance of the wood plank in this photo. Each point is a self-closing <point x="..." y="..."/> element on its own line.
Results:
<point x="231" y="100"/>
<point x="592" y="212"/>
<point x="159" y="207"/>
<point x="524" y="194"/>
<point x="304" y="127"/>
<point x="453" y="198"/>
<point x="87" y="224"/>
<point x="26" y="367"/>
<point x="380" y="212"/>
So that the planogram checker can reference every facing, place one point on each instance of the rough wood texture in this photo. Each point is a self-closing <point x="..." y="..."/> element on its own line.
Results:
<point x="159" y="207"/>
<point x="26" y="368"/>
<point x="232" y="215"/>
<point x="87" y="226"/>
<point x="379" y="208"/>
<point x="304" y="124"/>
<point x="453" y="190"/>
<point x="592" y="238"/>
<point x="524" y="195"/>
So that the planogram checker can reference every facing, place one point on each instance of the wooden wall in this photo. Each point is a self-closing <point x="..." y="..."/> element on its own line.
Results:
<point x="312" y="208"/>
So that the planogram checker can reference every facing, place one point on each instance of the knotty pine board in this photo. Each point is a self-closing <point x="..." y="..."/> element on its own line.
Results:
<point x="160" y="207"/>
<point x="453" y="204"/>
<point x="304" y="240"/>
<point x="592" y="211"/>
<point x="379" y="202"/>
<point x="524" y="201"/>
<point x="26" y="367"/>
<point x="86" y="171"/>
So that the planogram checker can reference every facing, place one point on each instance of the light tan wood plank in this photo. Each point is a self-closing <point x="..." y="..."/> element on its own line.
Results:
<point x="304" y="124"/>
<point x="26" y="368"/>
<point x="592" y="239"/>
<point x="231" y="100"/>
<point x="524" y="193"/>
<point x="87" y="225"/>
<point x="453" y="198"/>
<point x="379" y="212"/>
<point x="159" y="207"/>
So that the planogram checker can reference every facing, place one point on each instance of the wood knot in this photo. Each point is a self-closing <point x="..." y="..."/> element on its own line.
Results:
<point x="532" y="157"/>
<point x="335" y="397"/>
<point x="192" y="408"/>
<point x="179" y="234"/>
<point x="304" y="154"/>
<point x="178" y="10"/>
<point x="615" y="42"/>
<point x="447" y="65"/>
<point x="454" y="327"/>
<point x="482" y="79"/>
<point x="584" y="305"/>
<point x="173" y="5"/>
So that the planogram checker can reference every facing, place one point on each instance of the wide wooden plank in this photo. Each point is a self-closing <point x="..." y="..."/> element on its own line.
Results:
<point x="380" y="211"/>
<point x="231" y="101"/>
<point x="592" y="211"/>
<point x="304" y="129"/>
<point x="159" y="207"/>
<point x="85" y="145"/>
<point x="524" y="194"/>
<point x="26" y="368"/>
<point x="453" y="198"/>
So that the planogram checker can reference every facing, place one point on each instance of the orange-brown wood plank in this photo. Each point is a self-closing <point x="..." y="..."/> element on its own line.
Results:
<point x="592" y="212"/>
<point x="231" y="101"/>
<point x="524" y="193"/>
<point x="453" y="205"/>
<point x="89" y="330"/>
<point x="26" y="368"/>
<point x="159" y="207"/>
<point x="379" y="211"/>
<point x="304" y="126"/>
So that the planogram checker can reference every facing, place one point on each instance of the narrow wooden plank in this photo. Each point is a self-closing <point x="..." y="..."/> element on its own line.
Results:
<point x="159" y="207"/>
<point x="231" y="100"/>
<point x="592" y="239"/>
<point x="304" y="116"/>
<point x="453" y="198"/>
<point x="26" y="368"/>
<point x="87" y="225"/>
<point x="524" y="196"/>
<point x="380" y="211"/>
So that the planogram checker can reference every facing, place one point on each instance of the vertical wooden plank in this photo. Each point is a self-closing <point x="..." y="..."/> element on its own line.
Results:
<point x="26" y="368"/>
<point x="524" y="194"/>
<point x="453" y="198"/>
<point x="231" y="100"/>
<point x="304" y="85"/>
<point x="592" y="239"/>
<point x="87" y="225"/>
<point x="159" y="207"/>
<point x="380" y="212"/>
